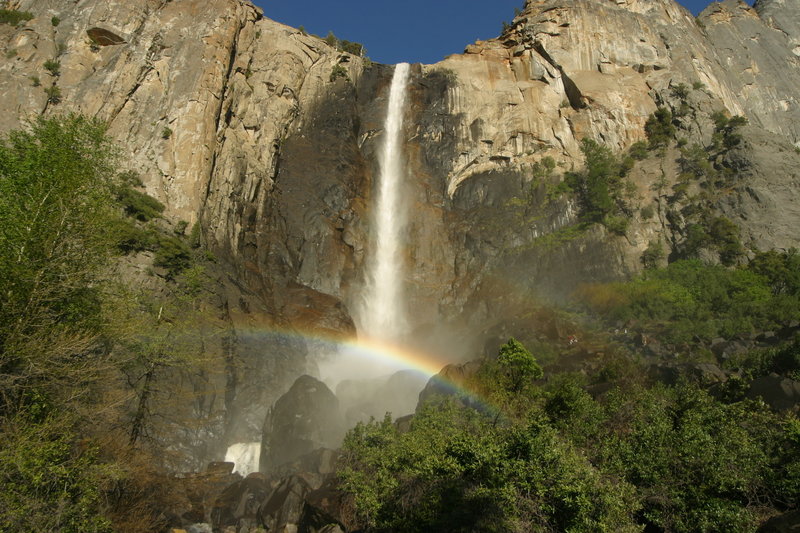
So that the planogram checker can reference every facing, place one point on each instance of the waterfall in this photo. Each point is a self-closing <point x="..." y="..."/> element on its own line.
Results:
<point x="244" y="456"/>
<point x="383" y="314"/>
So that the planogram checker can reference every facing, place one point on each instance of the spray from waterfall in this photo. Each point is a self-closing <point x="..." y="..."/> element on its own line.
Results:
<point x="383" y="315"/>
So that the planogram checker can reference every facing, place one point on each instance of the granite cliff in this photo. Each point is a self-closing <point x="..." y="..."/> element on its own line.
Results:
<point x="239" y="124"/>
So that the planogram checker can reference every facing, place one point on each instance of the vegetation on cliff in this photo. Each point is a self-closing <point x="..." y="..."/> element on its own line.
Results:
<point x="80" y="351"/>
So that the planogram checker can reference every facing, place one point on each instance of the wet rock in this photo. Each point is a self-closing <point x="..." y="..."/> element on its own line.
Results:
<point x="240" y="501"/>
<point x="449" y="382"/>
<point x="283" y="509"/>
<point x="778" y="392"/>
<point x="788" y="522"/>
<point x="104" y="37"/>
<point x="305" y="418"/>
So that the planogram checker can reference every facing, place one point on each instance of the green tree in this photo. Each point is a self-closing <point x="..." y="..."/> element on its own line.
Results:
<point x="601" y="187"/>
<point x="659" y="128"/>
<point x="55" y="205"/>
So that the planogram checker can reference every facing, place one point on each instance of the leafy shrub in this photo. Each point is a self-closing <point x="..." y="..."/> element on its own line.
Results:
<point x="139" y="205"/>
<point x="455" y="471"/>
<point x="53" y="67"/>
<point x="14" y="17"/>
<point x="166" y="133"/>
<point x="726" y="134"/>
<point x="653" y="255"/>
<point x="659" y="128"/>
<point x="53" y="94"/>
<point x="601" y="187"/>
<point x="55" y="21"/>
<point x="688" y="300"/>
<point x="337" y="72"/>
<point x="680" y="91"/>
<point x="49" y="483"/>
<point x="638" y="150"/>
<point x="173" y="255"/>
<point x="35" y="81"/>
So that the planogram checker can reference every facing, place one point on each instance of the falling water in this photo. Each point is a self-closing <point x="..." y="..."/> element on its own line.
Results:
<point x="383" y="314"/>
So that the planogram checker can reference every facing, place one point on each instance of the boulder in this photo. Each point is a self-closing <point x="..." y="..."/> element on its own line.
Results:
<point x="778" y="392"/>
<point x="788" y="522"/>
<point x="307" y="417"/>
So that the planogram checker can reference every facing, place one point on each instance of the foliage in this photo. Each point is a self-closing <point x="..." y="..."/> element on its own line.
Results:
<point x="726" y="135"/>
<point x="653" y="254"/>
<point x="137" y="204"/>
<point x="48" y="483"/>
<point x="513" y="371"/>
<point x="654" y="458"/>
<point x="695" y="465"/>
<point x="55" y="198"/>
<point x="455" y="471"/>
<point x="338" y="71"/>
<point x="166" y="133"/>
<point x="659" y="128"/>
<point x="53" y="66"/>
<point x="55" y="21"/>
<point x="688" y="300"/>
<point x="53" y="94"/>
<point x="638" y="150"/>
<point x="14" y="17"/>
<point x="680" y="91"/>
<point x="601" y="187"/>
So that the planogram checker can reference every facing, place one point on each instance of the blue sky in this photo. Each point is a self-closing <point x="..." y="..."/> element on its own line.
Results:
<point x="423" y="31"/>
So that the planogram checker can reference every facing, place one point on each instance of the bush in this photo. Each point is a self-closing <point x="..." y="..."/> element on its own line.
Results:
<point x="138" y="205"/>
<point x="173" y="255"/>
<point x="53" y="94"/>
<point x="638" y="150"/>
<point x="601" y="187"/>
<point x="337" y="72"/>
<point x="55" y="21"/>
<point x="14" y="17"/>
<point x="659" y="128"/>
<point x="456" y="471"/>
<point x="680" y="91"/>
<point x="53" y="67"/>
<point x="653" y="255"/>
<point x="49" y="483"/>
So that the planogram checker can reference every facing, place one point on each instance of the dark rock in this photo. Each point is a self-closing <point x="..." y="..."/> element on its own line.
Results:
<point x="220" y="468"/>
<point x="103" y="37"/>
<point x="779" y="393"/>
<point x="788" y="522"/>
<point x="305" y="418"/>
<point x="704" y="374"/>
<point x="449" y="382"/>
<point x="728" y="349"/>
<point x="284" y="506"/>
<point x="239" y="501"/>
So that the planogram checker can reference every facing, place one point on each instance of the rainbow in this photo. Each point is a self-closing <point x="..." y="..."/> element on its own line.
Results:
<point x="392" y="356"/>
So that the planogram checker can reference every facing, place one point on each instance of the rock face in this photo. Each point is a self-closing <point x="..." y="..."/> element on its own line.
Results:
<point x="234" y="121"/>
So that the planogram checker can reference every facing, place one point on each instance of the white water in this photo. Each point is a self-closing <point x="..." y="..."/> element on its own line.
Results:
<point x="383" y="314"/>
<point x="244" y="456"/>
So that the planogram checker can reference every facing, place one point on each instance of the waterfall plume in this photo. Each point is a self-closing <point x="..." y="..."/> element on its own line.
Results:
<point x="383" y="314"/>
